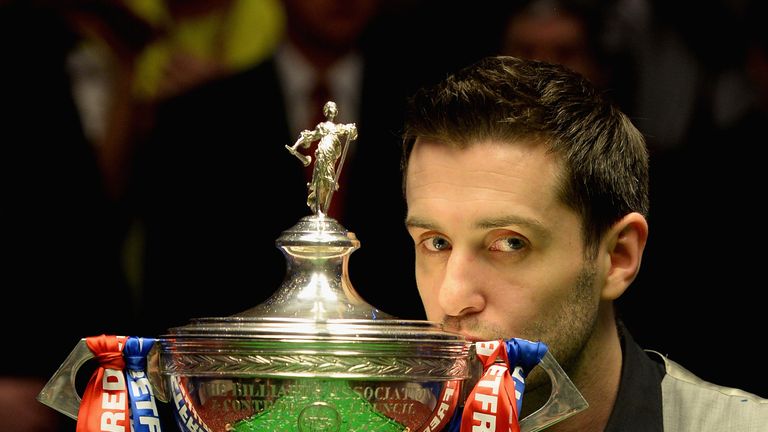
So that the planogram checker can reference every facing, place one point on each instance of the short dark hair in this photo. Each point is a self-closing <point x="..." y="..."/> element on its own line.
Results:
<point x="605" y="159"/>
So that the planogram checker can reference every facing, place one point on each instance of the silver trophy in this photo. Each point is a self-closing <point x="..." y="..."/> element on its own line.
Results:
<point x="315" y="356"/>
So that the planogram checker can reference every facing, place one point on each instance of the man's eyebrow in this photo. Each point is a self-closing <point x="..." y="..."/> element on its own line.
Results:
<point x="484" y="224"/>
<point x="503" y="221"/>
<point x="417" y="222"/>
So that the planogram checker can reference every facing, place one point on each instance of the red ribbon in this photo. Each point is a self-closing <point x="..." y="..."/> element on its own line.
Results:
<point x="491" y="406"/>
<point x="442" y="413"/>
<point x="104" y="407"/>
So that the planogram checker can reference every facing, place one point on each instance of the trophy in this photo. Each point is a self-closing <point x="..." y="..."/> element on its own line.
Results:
<point x="315" y="356"/>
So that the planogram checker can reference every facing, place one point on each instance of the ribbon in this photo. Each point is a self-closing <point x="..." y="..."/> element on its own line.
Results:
<point x="489" y="407"/>
<point x="104" y="406"/>
<point x="525" y="355"/>
<point x="444" y="411"/>
<point x="144" y="415"/>
<point x="187" y="418"/>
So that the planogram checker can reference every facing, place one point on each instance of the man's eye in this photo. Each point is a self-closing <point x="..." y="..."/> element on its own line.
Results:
<point x="436" y="244"/>
<point x="508" y="244"/>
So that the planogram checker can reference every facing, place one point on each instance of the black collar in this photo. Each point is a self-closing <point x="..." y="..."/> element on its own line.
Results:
<point x="638" y="403"/>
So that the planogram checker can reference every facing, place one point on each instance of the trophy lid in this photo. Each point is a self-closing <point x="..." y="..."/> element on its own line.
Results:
<point x="316" y="324"/>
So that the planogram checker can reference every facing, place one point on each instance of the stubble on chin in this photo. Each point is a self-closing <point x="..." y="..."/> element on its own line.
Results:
<point x="566" y="331"/>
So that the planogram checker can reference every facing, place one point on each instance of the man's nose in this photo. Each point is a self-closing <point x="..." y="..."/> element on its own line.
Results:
<point x="461" y="289"/>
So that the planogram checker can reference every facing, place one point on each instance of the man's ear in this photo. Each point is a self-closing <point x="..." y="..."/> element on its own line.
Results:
<point x="624" y="243"/>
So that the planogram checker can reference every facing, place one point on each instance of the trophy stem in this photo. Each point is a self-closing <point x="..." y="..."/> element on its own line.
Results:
<point x="317" y="285"/>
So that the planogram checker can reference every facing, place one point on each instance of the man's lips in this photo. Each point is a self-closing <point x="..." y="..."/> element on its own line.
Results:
<point x="457" y="330"/>
<point x="474" y="338"/>
<point x="454" y="329"/>
<point x="455" y="326"/>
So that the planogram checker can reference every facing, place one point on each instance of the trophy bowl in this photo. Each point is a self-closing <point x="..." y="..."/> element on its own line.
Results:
<point x="346" y="377"/>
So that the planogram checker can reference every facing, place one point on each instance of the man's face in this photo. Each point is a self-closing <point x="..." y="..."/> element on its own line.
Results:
<point x="497" y="255"/>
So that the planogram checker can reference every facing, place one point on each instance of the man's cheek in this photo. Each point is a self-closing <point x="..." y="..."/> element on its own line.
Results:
<point x="431" y="305"/>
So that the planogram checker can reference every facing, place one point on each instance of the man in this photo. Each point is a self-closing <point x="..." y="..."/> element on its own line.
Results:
<point x="527" y="199"/>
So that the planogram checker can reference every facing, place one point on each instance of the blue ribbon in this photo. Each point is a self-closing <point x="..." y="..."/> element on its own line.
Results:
<point x="144" y="415"/>
<point x="523" y="356"/>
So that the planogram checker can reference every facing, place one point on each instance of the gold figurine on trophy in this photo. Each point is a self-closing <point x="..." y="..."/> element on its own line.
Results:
<point x="326" y="172"/>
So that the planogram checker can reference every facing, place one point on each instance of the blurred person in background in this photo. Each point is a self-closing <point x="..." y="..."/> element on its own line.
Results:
<point x="214" y="186"/>
<point x="555" y="32"/>
<point x="691" y="87"/>
<point x="61" y="228"/>
<point x="571" y="33"/>
<point x="75" y="92"/>
<point x="682" y="82"/>
<point x="203" y="40"/>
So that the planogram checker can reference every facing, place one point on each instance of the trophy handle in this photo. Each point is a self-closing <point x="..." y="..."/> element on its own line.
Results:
<point x="564" y="401"/>
<point x="60" y="392"/>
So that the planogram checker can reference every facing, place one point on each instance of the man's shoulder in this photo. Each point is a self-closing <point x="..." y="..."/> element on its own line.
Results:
<point x="692" y="404"/>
